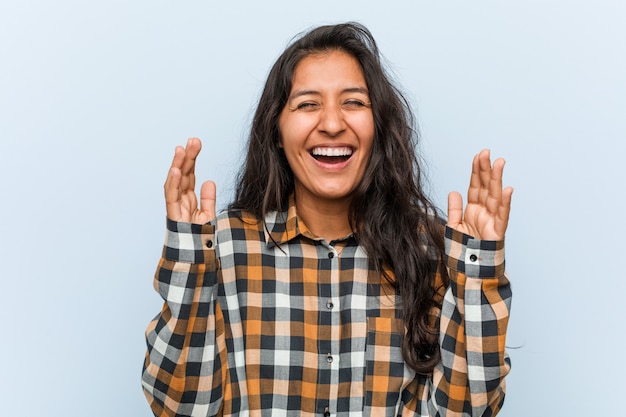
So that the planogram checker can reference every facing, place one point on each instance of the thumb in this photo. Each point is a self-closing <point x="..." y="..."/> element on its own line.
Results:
<point x="207" y="199"/>
<point x="455" y="209"/>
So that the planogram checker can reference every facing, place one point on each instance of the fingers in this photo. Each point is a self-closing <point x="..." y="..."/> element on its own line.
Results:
<point x="502" y="220"/>
<point x="494" y="186"/>
<point x="490" y="203"/>
<point x="473" y="192"/>
<point x="455" y="209"/>
<point x="172" y="194"/>
<point x="486" y="181"/>
<point x="188" y="164"/>
<point x="207" y="199"/>
<point x="180" y="199"/>
<point x="481" y="175"/>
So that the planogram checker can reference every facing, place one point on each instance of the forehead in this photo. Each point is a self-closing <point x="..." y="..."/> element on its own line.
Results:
<point x="322" y="70"/>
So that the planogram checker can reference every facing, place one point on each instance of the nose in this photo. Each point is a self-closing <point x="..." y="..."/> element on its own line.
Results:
<point x="332" y="121"/>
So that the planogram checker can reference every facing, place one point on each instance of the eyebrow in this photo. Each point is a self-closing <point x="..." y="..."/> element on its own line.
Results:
<point x="300" y="93"/>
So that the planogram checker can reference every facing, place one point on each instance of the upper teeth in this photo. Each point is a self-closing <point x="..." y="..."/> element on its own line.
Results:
<point x="332" y="151"/>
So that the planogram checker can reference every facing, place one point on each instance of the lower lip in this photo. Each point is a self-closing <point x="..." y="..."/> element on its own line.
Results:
<point x="334" y="166"/>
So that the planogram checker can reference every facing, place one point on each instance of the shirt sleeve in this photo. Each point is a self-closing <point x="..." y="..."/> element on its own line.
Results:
<point x="182" y="372"/>
<point x="469" y="379"/>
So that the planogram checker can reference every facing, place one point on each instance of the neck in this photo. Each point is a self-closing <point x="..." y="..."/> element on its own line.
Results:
<point x="327" y="219"/>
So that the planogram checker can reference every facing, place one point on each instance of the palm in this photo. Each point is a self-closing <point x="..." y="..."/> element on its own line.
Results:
<point x="486" y="215"/>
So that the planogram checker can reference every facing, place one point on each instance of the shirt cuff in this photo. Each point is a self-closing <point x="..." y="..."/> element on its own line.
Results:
<point x="474" y="257"/>
<point x="188" y="242"/>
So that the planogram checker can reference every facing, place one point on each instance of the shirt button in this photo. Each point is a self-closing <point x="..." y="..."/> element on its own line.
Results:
<point x="329" y="305"/>
<point x="326" y="412"/>
<point x="209" y="243"/>
<point x="331" y="255"/>
<point x="329" y="358"/>
<point x="473" y="257"/>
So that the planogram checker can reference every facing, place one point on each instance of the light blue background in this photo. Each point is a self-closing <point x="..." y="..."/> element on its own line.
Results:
<point x="94" y="96"/>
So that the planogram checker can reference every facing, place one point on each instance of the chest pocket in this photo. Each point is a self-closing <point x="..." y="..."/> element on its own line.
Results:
<point x="386" y="374"/>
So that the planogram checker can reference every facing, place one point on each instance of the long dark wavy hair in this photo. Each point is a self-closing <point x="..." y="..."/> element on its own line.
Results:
<point x="389" y="214"/>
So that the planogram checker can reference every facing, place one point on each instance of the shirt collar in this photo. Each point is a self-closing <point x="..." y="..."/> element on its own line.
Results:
<point x="281" y="227"/>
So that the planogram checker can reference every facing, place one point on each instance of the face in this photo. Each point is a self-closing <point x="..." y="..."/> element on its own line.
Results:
<point x="327" y="127"/>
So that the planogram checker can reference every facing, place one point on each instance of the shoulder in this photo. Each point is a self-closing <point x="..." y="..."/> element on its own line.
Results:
<point x="431" y="235"/>
<point x="236" y="224"/>
<point x="237" y="218"/>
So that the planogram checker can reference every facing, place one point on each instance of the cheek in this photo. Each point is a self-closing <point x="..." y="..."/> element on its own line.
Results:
<point x="367" y="145"/>
<point x="281" y="129"/>
<point x="285" y="131"/>
<point x="363" y="125"/>
<point x="366" y="133"/>
<point x="294" y="132"/>
<point x="287" y="127"/>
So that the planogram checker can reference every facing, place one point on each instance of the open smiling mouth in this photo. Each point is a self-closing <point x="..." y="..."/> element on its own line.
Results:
<point x="331" y="155"/>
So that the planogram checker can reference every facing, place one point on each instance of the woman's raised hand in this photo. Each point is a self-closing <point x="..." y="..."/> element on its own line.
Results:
<point x="180" y="198"/>
<point x="488" y="205"/>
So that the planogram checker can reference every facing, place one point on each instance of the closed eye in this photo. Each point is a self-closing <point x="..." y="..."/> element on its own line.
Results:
<point x="307" y="106"/>
<point x="355" y="104"/>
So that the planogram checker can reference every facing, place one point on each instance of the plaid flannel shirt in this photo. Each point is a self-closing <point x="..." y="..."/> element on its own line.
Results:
<point x="278" y="322"/>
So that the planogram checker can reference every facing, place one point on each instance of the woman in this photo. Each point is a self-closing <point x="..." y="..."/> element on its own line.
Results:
<point x="329" y="286"/>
